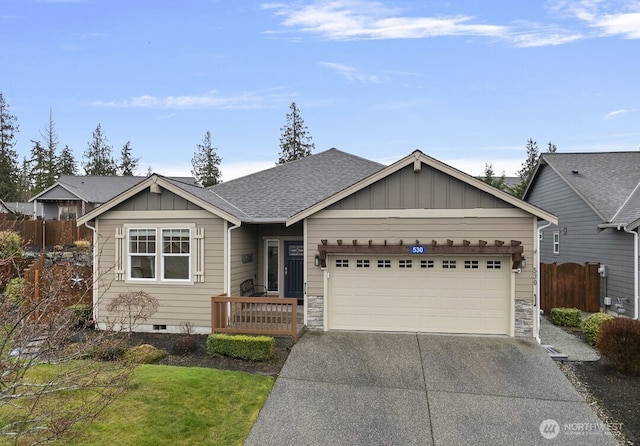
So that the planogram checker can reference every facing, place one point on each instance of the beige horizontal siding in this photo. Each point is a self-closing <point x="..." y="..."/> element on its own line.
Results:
<point x="178" y="302"/>
<point x="424" y="230"/>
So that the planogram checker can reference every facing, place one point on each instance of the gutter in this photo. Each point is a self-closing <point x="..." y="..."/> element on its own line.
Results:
<point x="540" y="228"/>
<point x="635" y="269"/>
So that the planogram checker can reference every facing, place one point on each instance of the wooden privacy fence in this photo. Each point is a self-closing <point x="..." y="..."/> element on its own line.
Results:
<point x="274" y="316"/>
<point x="570" y="285"/>
<point x="47" y="232"/>
<point x="49" y="291"/>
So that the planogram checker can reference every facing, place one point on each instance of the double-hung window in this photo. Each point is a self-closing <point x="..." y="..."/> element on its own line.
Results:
<point x="142" y="253"/>
<point x="176" y="254"/>
<point x="556" y="242"/>
<point x="167" y="250"/>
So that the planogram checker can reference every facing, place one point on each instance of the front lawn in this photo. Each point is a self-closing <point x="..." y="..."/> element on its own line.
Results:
<point x="181" y="406"/>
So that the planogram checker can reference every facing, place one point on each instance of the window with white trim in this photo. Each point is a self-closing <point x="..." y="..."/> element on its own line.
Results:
<point x="427" y="263"/>
<point x="556" y="242"/>
<point x="342" y="263"/>
<point x="176" y="254"/>
<point x="470" y="264"/>
<point x="362" y="263"/>
<point x="404" y="263"/>
<point x="167" y="250"/>
<point x="383" y="263"/>
<point x="448" y="264"/>
<point x="494" y="264"/>
<point x="142" y="253"/>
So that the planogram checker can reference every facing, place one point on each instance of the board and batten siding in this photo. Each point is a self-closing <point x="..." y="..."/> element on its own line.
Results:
<point x="427" y="189"/>
<point x="583" y="241"/>
<point x="179" y="302"/>
<point x="423" y="229"/>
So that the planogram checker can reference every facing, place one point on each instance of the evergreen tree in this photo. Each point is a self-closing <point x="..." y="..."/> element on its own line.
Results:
<point x="99" y="160"/>
<point x="488" y="176"/>
<point x="66" y="163"/>
<point x="128" y="164"/>
<point x="9" y="174"/>
<point x="295" y="142"/>
<point x="205" y="163"/>
<point x="50" y="167"/>
<point x="43" y="168"/>
<point x="528" y="167"/>
<point x="25" y="185"/>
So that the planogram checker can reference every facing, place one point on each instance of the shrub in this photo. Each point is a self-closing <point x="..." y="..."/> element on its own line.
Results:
<point x="591" y="326"/>
<point x="256" y="348"/>
<point x="14" y="292"/>
<point x="619" y="340"/>
<point x="184" y="345"/>
<point x="110" y="350"/>
<point x="144" y="354"/>
<point x="81" y="244"/>
<point x="10" y="244"/>
<point x="81" y="315"/>
<point x="567" y="317"/>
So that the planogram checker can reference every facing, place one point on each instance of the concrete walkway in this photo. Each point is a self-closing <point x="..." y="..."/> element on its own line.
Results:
<point x="348" y="388"/>
<point x="572" y="346"/>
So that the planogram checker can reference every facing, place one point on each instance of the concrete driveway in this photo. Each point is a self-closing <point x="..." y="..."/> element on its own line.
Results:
<point x="348" y="388"/>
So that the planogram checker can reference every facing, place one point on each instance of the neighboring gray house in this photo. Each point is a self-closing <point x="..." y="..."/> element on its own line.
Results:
<point x="414" y="246"/>
<point x="596" y="197"/>
<point x="17" y="207"/>
<point x="73" y="196"/>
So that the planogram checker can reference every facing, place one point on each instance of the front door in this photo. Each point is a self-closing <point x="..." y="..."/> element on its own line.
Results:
<point x="293" y="269"/>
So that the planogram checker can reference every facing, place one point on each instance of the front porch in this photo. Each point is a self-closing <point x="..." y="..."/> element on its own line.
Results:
<point x="272" y="316"/>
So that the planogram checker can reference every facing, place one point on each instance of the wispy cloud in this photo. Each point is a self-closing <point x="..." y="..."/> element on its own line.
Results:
<point x="347" y="20"/>
<point x="358" y="20"/>
<point x="350" y="73"/>
<point x="210" y="100"/>
<point x="615" y="113"/>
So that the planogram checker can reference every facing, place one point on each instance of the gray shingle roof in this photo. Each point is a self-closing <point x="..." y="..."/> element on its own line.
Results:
<point x="96" y="189"/>
<point x="607" y="181"/>
<point x="284" y="190"/>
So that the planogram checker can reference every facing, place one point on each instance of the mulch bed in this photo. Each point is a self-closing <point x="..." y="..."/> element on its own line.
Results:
<point x="201" y="358"/>
<point x="614" y="396"/>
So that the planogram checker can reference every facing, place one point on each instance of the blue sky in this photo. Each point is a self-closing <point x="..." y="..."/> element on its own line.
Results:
<point x="466" y="82"/>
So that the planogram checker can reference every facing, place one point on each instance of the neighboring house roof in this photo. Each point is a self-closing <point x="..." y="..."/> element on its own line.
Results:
<point x="608" y="182"/>
<point x="91" y="189"/>
<point x="416" y="158"/>
<point x="278" y="193"/>
<point x="5" y="209"/>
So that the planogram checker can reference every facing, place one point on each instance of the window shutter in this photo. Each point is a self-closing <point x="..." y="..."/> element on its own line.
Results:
<point x="119" y="260"/>
<point x="198" y="255"/>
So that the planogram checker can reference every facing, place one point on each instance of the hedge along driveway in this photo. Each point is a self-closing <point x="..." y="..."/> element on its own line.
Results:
<point x="181" y="406"/>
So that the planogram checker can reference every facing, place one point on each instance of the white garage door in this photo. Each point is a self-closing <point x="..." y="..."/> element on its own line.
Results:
<point x="427" y="294"/>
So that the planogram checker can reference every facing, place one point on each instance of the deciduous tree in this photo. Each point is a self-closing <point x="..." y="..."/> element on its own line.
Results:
<point x="295" y="142"/>
<point x="206" y="163"/>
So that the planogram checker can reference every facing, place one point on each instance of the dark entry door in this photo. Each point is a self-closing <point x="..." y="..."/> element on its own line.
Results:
<point x="293" y="269"/>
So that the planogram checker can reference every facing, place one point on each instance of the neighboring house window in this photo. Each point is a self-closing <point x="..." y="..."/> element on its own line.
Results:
<point x="556" y="242"/>
<point x="142" y="253"/>
<point x="176" y="254"/>
<point x="67" y="213"/>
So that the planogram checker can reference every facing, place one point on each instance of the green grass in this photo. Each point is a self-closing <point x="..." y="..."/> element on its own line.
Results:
<point x="181" y="406"/>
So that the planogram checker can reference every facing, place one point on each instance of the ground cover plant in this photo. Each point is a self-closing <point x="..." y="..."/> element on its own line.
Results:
<point x="168" y="405"/>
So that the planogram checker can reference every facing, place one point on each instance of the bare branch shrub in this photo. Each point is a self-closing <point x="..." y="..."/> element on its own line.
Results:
<point x="132" y="309"/>
<point x="48" y="389"/>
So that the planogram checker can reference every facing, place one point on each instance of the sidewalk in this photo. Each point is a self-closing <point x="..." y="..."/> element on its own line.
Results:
<point x="576" y="349"/>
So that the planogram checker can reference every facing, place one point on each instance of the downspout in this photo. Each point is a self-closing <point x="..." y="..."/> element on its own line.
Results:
<point x="540" y="228"/>
<point x="229" y="258"/>
<point x="94" y="260"/>
<point x="635" y="269"/>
